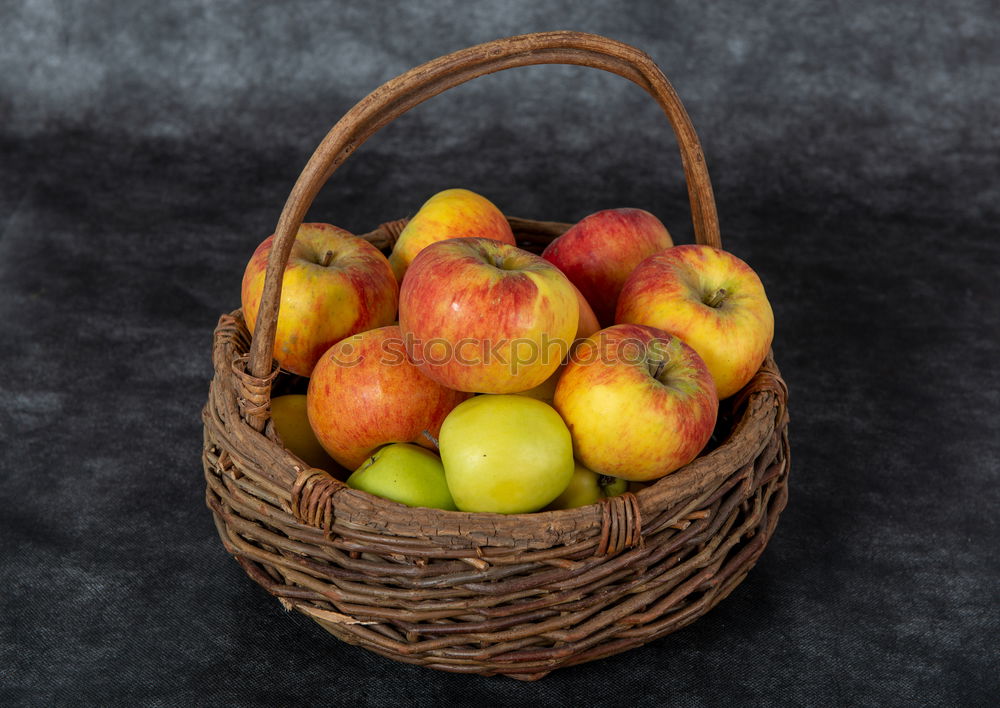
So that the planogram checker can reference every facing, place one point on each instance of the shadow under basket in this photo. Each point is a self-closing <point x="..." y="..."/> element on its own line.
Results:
<point x="518" y="595"/>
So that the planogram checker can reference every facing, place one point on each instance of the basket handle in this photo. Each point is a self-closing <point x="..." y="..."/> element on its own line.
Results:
<point x="402" y="93"/>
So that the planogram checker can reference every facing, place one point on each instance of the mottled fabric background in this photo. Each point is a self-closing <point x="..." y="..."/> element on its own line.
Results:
<point x="148" y="147"/>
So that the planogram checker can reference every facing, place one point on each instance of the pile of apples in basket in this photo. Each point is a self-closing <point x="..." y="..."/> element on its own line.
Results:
<point x="465" y="373"/>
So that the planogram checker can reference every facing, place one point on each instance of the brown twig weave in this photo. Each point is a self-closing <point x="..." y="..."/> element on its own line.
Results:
<point x="518" y="595"/>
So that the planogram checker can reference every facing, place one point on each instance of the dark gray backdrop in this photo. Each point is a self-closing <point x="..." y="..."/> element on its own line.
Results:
<point x="148" y="147"/>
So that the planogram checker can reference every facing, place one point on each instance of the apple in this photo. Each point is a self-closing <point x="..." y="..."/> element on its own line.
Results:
<point x="587" y="323"/>
<point x="586" y="326"/>
<point x="505" y="454"/>
<point x="292" y="424"/>
<point x="713" y="301"/>
<point x="453" y="213"/>
<point x="404" y="473"/>
<point x="486" y="317"/>
<point x="364" y="393"/>
<point x="599" y="252"/>
<point x="639" y="402"/>
<point x="587" y="487"/>
<point x="546" y="390"/>
<point x="334" y="285"/>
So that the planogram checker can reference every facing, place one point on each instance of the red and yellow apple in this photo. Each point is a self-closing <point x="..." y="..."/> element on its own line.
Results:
<point x="453" y="213"/>
<point x="486" y="317"/>
<point x="712" y="300"/>
<point x="587" y="323"/>
<point x="364" y="393"/>
<point x="639" y="402"/>
<point x="334" y="285"/>
<point x="599" y="252"/>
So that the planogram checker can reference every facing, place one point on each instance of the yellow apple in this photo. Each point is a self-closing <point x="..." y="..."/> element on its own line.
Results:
<point x="588" y="487"/>
<point x="404" y="473"/>
<point x="506" y="454"/>
<point x="292" y="423"/>
<point x="453" y="213"/>
<point x="335" y="285"/>
<point x="639" y="402"/>
<point x="712" y="300"/>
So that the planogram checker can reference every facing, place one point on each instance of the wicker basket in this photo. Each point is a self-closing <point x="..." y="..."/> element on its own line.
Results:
<point x="517" y="595"/>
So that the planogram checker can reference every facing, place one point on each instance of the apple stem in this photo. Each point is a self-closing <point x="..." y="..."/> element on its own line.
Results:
<point x="327" y="257"/>
<point x="427" y="434"/>
<point x="604" y="480"/>
<point x="716" y="298"/>
<point x="656" y="368"/>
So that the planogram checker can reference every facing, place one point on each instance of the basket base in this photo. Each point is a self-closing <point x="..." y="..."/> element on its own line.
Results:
<point x="456" y="603"/>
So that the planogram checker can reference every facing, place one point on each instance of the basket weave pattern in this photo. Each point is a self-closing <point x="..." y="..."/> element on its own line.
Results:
<point x="485" y="593"/>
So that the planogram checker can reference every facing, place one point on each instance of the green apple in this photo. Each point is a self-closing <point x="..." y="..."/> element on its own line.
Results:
<point x="505" y="453"/>
<point x="404" y="473"/>
<point x="587" y="487"/>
